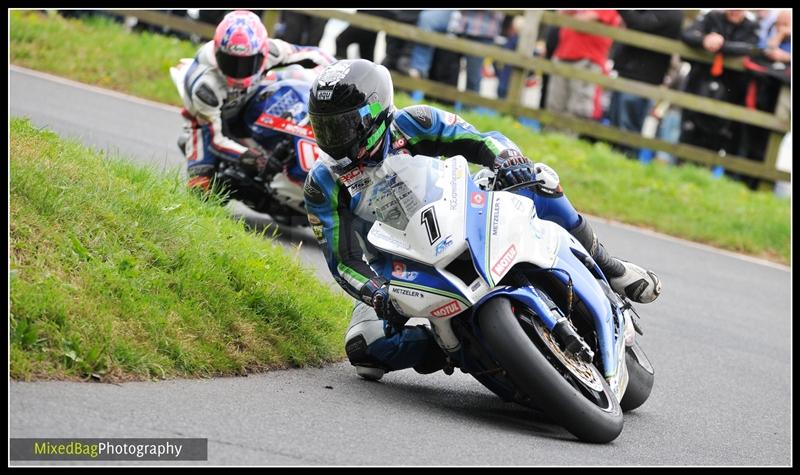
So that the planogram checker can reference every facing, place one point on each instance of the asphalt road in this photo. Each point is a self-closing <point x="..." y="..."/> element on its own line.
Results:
<point x="719" y="338"/>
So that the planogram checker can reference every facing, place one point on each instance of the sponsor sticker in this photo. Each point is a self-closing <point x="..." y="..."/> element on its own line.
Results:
<point x="442" y="246"/>
<point x="284" y="125"/>
<point x="355" y="180"/>
<point x="406" y="292"/>
<point x="265" y="119"/>
<point x="446" y="310"/>
<point x="334" y="73"/>
<point x="496" y="216"/>
<point x="452" y="119"/>
<point x="351" y="176"/>
<point x="384" y="236"/>
<point x="317" y="230"/>
<point x="477" y="199"/>
<point x="312" y="192"/>
<point x="238" y="49"/>
<point x="398" y="269"/>
<point x="505" y="261"/>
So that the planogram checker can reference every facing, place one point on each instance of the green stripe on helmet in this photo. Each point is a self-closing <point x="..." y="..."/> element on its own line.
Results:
<point x="376" y="135"/>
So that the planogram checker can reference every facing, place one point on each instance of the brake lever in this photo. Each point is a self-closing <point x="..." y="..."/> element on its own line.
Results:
<point x="524" y="184"/>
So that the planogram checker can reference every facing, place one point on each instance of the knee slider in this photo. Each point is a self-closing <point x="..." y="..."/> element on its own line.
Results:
<point x="365" y="328"/>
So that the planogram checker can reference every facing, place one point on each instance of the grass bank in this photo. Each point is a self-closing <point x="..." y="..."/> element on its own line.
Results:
<point x="118" y="272"/>
<point x="685" y="202"/>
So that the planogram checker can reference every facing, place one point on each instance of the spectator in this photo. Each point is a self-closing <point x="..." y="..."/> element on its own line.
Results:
<point x="766" y="18"/>
<point x="669" y="127"/>
<point x="481" y="26"/>
<point x="551" y="36"/>
<point x="398" y="50"/>
<point x="445" y="69"/>
<point x="727" y="33"/>
<point x="436" y="64"/>
<point x="422" y="54"/>
<point x="365" y="39"/>
<point x="628" y="111"/>
<point x="768" y="74"/>
<point x="779" y="43"/>
<point x="512" y="38"/>
<point x="301" y="29"/>
<point x="581" y="50"/>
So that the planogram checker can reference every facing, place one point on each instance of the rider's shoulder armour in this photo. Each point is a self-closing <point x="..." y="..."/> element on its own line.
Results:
<point x="422" y="115"/>
<point x="206" y="94"/>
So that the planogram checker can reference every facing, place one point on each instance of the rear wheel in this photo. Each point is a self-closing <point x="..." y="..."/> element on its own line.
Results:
<point x="571" y="391"/>
<point x="640" y="378"/>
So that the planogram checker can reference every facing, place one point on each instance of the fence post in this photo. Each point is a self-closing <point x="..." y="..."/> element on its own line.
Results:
<point x="525" y="46"/>
<point x="774" y="144"/>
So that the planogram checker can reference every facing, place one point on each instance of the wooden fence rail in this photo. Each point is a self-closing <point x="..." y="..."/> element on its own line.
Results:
<point x="522" y="61"/>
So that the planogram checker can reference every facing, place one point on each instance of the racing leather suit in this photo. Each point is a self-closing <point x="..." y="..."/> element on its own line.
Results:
<point x="340" y="222"/>
<point x="212" y="109"/>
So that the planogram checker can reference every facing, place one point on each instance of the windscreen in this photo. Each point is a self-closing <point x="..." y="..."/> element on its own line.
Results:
<point x="402" y="186"/>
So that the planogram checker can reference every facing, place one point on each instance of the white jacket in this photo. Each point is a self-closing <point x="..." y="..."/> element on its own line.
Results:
<point x="209" y="100"/>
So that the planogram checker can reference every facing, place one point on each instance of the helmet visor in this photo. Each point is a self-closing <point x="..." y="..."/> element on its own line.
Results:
<point x="337" y="133"/>
<point x="239" y="67"/>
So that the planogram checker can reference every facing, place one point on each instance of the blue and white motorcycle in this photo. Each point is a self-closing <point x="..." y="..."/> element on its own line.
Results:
<point x="512" y="299"/>
<point x="277" y="122"/>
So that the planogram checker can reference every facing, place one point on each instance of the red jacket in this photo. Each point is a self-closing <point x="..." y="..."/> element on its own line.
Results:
<point x="574" y="45"/>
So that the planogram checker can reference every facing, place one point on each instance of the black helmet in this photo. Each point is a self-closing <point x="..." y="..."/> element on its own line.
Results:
<point x="351" y="106"/>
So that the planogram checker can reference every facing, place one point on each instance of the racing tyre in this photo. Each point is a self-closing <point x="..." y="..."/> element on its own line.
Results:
<point x="572" y="392"/>
<point x="640" y="378"/>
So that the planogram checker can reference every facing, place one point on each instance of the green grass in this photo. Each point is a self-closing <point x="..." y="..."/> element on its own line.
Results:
<point x="98" y="51"/>
<point x="118" y="272"/>
<point x="685" y="202"/>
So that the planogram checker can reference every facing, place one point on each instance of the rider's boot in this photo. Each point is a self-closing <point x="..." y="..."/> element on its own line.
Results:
<point x="636" y="283"/>
<point x="375" y="348"/>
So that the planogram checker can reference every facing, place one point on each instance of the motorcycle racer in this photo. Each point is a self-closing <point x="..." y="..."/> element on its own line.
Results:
<point x="356" y="126"/>
<point x="224" y="75"/>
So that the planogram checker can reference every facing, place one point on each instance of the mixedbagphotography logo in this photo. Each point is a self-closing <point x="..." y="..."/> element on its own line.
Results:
<point x="109" y="449"/>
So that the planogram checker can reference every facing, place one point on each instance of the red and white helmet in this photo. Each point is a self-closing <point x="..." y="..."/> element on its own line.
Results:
<point x="241" y="46"/>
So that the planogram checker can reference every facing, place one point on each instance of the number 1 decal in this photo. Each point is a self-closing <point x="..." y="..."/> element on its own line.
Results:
<point x="431" y="224"/>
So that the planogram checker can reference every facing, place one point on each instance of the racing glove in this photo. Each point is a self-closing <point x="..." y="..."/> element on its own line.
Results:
<point x="511" y="168"/>
<point x="252" y="159"/>
<point x="271" y="163"/>
<point x="382" y="304"/>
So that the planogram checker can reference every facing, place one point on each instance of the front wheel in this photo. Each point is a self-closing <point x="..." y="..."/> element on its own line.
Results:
<point x="572" y="392"/>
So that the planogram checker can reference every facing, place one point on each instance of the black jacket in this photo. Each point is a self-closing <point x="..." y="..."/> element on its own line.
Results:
<point x="740" y="40"/>
<point x="642" y="64"/>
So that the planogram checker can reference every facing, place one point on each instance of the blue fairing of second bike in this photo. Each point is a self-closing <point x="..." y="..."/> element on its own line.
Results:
<point x="285" y="96"/>
<point x="585" y="284"/>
